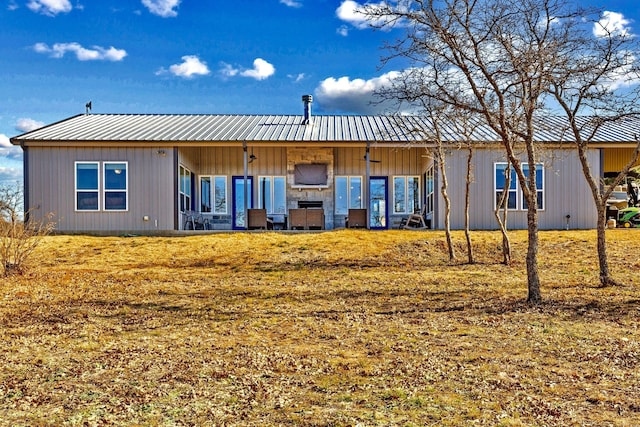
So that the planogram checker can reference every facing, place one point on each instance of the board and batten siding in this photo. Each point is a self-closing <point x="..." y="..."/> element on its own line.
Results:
<point x="388" y="161"/>
<point x="565" y="191"/>
<point x="150" y="188"/>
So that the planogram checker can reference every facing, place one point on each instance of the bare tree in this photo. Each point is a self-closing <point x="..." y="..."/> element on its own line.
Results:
<point x="491" y="58"/>
<point x="598" y="87"/>
<point x="19" y="237"/>
<point x="501" y="214"/>
<point x="434" y="117"/>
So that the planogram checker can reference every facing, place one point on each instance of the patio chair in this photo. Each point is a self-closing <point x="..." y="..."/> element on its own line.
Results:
<point x="415" y="221"/>
<point x="297" y="219"/>
<point x="257" y="219"/>
<point x="357" y="218"/>
<point x="315" y="219"/>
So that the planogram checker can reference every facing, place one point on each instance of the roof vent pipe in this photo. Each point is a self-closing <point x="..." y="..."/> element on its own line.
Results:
<point x="307" y="100"/>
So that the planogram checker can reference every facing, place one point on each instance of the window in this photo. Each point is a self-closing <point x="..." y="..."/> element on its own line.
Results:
<point x="185" y="189"/>
<point x="406" y="194"/>
<point x="205" y="194"/>
<point x="272" y="194"/>
<point x="429" y="183"/>
<point x="516" y="199"/>
<point x="220" y="195"/>
<point x="348" y="194"/>
<point x="213" y="194"/>
<point x="114" y="193"/>
<point x="115" y="186"/>
<point x="87" y="186"/>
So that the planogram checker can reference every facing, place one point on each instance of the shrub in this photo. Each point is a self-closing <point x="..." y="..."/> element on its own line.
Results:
<point x="19" y="235"/>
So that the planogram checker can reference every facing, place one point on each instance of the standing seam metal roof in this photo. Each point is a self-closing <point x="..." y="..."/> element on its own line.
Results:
<point x="289" y="128"/>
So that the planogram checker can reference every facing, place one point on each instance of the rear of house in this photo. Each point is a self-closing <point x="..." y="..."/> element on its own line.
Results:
<point x="111" y="173"/>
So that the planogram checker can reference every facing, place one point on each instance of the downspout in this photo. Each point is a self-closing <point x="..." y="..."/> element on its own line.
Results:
<point x="246" y="190"/>
<point x="25" y="181"/>
<point x="367" y="196"/>
<point x="176" y="190"/>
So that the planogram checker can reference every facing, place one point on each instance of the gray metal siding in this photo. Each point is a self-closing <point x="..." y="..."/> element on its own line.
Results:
<point x="51" y="188"/>
<point x="565" y="190"/>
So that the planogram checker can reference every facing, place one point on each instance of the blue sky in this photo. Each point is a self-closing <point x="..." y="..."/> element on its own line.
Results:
<point x="190" y="56"/>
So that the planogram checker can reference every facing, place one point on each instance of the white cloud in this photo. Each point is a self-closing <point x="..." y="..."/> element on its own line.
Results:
<point x="343" y="30"/>
<point x="163" y="8"/>
<point x="13" y="5"/>
<point x="355" y="96"/>
<point x="50" y="7"/>
<point x="296" y="77"/>
<point x="95" y="53"/>
<point x="351" y="12"/>
<point x="9" y="175"/>
<point x="261" y="70"/>
<point x="291" y="3"/>
<point x="4" y="141"/>
<point x="612" y="23"/>
<point x="190" y="67"/>
<point x="27" y="125"/>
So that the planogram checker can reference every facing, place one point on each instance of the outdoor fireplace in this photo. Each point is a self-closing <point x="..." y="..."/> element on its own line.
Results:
<point x="309" y="204"/>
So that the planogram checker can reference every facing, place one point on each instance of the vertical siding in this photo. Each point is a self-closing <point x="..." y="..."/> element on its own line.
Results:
<point x="616" y="158"/>
<point x="388" y="161"/>
<point x="565" y="190"/>
<point x="52" y="188"/>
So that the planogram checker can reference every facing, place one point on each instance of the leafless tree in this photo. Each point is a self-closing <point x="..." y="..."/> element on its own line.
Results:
<point x="491" y="58"/>
<point x="597" y="87"/>
<point x="501" y="213"/>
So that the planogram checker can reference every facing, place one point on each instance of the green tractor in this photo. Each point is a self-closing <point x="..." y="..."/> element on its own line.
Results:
<point x="630" y="216"/>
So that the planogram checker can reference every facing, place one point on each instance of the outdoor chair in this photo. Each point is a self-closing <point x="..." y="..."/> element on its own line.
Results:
<point x="315" y="219"/>
<point x="357" y="218"/>
<point x="257" y="219"/>
<point x="415" y="221"/>
<point x="297" y="219"/>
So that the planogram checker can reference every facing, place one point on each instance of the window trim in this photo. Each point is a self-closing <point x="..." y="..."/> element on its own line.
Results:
<point x="405" y="178"/>
<point x="212" y="195"/>
<point x="348" y="178"/>
<point x="272" y="189"/>
<point x="105" y="191"/>
<point x="181" y="193"/>
<point x="97" y="190"/>
<point x="519" y="196"/>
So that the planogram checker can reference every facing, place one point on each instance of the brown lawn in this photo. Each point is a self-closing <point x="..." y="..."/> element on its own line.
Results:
<point x="340" y="328"/>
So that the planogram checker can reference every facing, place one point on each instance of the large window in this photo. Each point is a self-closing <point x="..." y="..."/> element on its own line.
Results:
<point x="429" y="184"/>
<point x="87" y="186"/>
<point x="406" y="194"/>
<point x="272" y="192"/>
<point x="115" y="186"/>
<point x="348" y="194"/>
<point x="516" y="200"/>
<point x="213" y="194"/>
<point x="108" y="191"/>
<point x="185" y="189"/>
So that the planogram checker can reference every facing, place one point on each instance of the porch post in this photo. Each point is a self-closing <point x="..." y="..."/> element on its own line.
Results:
<point x="367" y="196"/>
<point x="246" y="190"/>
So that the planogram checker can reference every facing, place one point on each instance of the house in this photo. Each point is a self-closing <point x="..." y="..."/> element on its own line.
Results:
<point x="149" y="173"/>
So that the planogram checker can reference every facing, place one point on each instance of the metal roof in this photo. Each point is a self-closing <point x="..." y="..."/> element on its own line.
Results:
<point x="204" y="128"/>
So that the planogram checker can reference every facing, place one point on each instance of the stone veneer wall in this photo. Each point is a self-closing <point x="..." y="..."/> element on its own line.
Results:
<point x="301" y="155"/>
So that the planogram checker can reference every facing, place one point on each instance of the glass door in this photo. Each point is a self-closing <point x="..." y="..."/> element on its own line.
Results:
<point x="238" y="200"/>
<point x="378" y="202"/>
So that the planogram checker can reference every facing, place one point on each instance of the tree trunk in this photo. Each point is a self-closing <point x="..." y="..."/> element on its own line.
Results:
<point x="447" y="203"/>
<point x="533" y="278"/>
<point x="467" y="200"/>
<point x="605" y="275"/>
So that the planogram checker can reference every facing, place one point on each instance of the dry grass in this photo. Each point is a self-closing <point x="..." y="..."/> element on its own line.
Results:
<point x="328" y="329"/>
